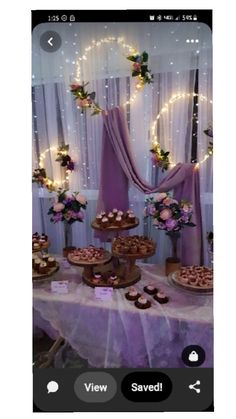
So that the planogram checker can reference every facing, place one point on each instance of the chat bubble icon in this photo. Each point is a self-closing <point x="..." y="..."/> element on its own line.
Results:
<point x="52" y="387"/>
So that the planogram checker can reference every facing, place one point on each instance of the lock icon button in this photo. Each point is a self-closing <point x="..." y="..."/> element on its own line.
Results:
<point x="193" y="356"/>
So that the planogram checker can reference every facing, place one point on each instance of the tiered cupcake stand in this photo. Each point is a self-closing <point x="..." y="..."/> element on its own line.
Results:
<point x="123" y="265"/>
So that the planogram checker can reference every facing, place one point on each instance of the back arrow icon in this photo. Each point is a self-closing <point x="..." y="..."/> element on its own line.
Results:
<point x="50" y="41"/>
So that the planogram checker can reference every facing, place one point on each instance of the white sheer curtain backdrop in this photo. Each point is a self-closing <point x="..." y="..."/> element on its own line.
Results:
<point x="56" y="119"/>
<point x="205" y="118"/>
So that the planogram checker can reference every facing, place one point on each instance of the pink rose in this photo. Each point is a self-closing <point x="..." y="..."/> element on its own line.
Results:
<point x="165" y="214"/>
<point x="82" y="103"/>
<point x="74" y="86"/>
<point x="168" y="201"/>
<point x="81" y="199"/>
<point x="58" y="207"/>
<point x="136" y="66"/>
<point x="161" y="196"/>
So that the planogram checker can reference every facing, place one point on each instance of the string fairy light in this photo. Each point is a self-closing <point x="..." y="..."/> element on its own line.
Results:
<point x="111" y="39"/>
<point x="42" y="157"/>
<point x="174" y="98"/>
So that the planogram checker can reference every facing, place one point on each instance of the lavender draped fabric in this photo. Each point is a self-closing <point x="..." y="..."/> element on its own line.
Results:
<point x="118" y="168"/>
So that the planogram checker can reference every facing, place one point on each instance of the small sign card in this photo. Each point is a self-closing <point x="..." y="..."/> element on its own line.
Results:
<point x="59" y="287"/>
<point x="103" y="293"/>
<point x="65" y="264"/>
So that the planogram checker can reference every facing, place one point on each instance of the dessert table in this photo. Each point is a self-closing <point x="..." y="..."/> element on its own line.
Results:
<point x="114" y="333"/>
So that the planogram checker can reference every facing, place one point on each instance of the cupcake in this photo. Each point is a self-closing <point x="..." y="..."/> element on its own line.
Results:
<point x="51" y="262"/>
<point x="97" y="277"/>
<point x="33" y="261"/>
<point x="150" y="289"/>
<point x="131" y="218"/>
<point x="99" y="218"/>
<point x="112" y="278"/>
<point x="118" y="220"/>
<point x="125" y="249"/>
<point x="45" y="258"/>
<point x="128" y="212"/>
<point x="111" y="217"/>
<point x="184" y="279"/>
<point x="43" y="269"/>
<point x="161" y="297"/>
<point x="115" y="211"/>
<point x="36" y="246"/>
<point x="103" y="213"/>
<point x="133" y="249"/>
<point x="120" y="214"/>
<point x="132" y="294"/>
<point x="104" y="222"/>
<point x="37" y="264"/>
<point x="142" y="302"/>
<point x="143" y="249"/>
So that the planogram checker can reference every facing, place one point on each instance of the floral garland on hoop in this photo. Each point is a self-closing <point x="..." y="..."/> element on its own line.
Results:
<point x="209" y="133"/>
<point x="160" y="158"/>
<point x="40" y="177"/>
<point x="140" y="69"/>
<point x="86" y="100"/>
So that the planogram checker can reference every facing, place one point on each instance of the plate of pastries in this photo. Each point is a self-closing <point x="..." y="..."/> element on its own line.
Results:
<point x="115" y="219"/>
<point x="194" y="278"/>
<point x="133" y="246"/>
<point x="89" y="255"/>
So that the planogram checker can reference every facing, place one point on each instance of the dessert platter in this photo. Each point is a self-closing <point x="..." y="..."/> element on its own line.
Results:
<point x="44" y="266"/>
<point x="194" y="278"/>
<point x="115" y="220"/>
<point x="39" y="242"/>
<point x="88" y="258"/>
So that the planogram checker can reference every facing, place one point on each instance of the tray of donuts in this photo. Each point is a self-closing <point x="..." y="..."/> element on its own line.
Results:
<point x="194" y="278"/>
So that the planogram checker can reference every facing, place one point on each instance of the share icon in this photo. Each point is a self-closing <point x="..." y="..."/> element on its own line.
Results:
<point x="193" y="386"/>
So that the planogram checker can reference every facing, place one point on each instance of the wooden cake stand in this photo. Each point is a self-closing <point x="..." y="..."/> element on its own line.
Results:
<point x="112" y="227"/>
<point x="51" y="271"/>
<point x="89" y="266"/>
<point x="42" y="247"/>
<point x="131" y="271"/>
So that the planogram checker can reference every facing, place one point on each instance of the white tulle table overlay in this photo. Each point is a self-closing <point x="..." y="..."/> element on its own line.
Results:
<point x="115" y="333"/>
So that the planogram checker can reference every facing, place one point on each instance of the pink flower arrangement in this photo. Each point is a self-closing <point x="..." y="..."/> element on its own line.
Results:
<point x="85" y="99"/>
<point x="169" y="214"/>
<point x="68" y="208"/>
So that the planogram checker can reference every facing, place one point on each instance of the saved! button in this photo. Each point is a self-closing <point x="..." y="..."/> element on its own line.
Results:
<point x="146" y="386"/>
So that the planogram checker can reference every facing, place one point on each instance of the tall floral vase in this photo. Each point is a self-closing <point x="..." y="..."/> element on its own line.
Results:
<point x="68" y="239"/>
<point x="173" y="263"/>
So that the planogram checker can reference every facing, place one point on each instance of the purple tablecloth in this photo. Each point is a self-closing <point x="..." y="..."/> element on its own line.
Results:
<point x="115" y="333"/>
